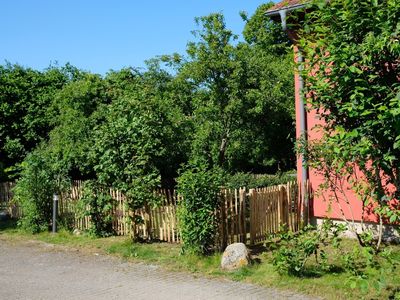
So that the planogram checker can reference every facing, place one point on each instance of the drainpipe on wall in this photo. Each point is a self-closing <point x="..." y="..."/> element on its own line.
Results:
<point x="302" y="113"/>
<point x="282" y="14"/>
<point x="303" y="134"/>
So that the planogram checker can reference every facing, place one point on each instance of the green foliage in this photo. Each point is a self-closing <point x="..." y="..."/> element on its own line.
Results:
<point x="125" y="149"/>
<point x="129" y="147"/>
<point x="253" y="181"/>
<point x="77" y="110"/>
<point x="261" y="31"/>
<point x="242" y="103"/>
<point x="96" y="203"/>
<point x="199" y="188"/>
<point x="364" y="269"/>
<point x="34" y="191"/>
<point x="352" y="72"/>
<point x="25" y="119"/>
<point x="295" y="249"/>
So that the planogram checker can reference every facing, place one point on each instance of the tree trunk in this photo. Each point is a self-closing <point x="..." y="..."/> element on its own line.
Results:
<point x="222" y="150"/>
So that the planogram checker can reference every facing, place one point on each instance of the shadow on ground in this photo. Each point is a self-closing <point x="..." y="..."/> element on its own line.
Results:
<point x="8" y="224"/>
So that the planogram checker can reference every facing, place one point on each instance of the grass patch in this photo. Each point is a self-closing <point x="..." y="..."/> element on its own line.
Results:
<point x="332" y="285"/>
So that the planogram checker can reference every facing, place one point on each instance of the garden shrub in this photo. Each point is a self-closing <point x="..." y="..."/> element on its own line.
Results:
<point x="34" y="191"/>
<point x="96" y="203"/>
<point x="199" y="187"/>
<point x="365" y="259"/>
<point x="238" y="180"/>
<point x="295" y="249"/>
<point x="292" y="253"/>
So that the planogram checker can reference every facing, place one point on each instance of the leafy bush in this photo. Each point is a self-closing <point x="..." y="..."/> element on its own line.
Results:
<point x="253" y="181"/>
<point x="126" y="152"/>
<point x="96" y="203"/>
<point x="33" y="191"/>
<point x="293" y="252"/>
<point x="199" y="187"/>
<point x="351" y="70"/>
<point x="365" y="259"/>
<point x="295" y="249"/>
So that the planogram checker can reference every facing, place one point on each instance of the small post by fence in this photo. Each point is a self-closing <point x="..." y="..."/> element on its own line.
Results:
<point x="55" y="208"/>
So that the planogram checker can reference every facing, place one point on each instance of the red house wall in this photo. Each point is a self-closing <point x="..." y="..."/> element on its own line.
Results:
<point x="346" y="204"/>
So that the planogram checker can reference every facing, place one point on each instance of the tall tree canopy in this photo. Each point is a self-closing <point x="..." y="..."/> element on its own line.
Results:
<point x="228" y="103"/>
<point x="243" y="99"/>
<point x="25" y="118"/>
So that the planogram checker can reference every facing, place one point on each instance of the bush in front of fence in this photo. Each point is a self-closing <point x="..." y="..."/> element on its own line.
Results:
<point x="199" y="188"/>
<point x="96" y="203"/>
<point x="34" y="190"/>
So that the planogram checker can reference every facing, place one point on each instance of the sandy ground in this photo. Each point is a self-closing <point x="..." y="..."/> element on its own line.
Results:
<point x="35" y="270"/>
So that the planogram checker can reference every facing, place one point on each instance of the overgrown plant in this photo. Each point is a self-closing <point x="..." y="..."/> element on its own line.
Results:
<point x="352" y="75"/>
<point x="127" y="147"/>
<point x="296" y="249"/>
<point x="96" y="203"/>
<point x="199" y="187"/>
<point x="34" y="191"/>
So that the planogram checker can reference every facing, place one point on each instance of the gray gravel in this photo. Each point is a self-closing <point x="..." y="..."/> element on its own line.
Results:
<point x="41" y="271"/>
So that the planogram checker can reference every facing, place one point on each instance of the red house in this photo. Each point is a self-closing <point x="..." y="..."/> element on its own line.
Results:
<point x="347" y="206"/>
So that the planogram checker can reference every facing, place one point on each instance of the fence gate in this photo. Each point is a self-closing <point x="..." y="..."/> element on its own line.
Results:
<point x="271" y="208"/>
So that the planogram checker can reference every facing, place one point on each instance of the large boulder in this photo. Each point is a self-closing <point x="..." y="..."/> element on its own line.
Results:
<point x="235" y="256"/>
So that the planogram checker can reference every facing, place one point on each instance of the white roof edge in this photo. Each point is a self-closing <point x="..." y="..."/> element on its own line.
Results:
<point x="289" y="8"/>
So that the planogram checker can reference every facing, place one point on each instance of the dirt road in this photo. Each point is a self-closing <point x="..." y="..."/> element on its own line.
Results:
<point x="33" y="270"/>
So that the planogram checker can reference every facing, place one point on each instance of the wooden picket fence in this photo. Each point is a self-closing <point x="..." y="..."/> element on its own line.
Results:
<point x="272" y="208"/>
<point x="248" y="216"/>
<point x="159" y="222"/>
<point x="244" y="215"/>
<point x="6" y="203"/>
<point x="232" y="217"/>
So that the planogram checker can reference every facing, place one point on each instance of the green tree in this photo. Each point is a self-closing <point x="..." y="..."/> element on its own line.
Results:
<point x="352" y="73"/>
<point x="25" y="119"/>
<point x="139" y="142"/>
<point x="242" y="106"/>
<point x="241" y="118"/>
<point x="77" y="109"/>
<point x="260" y="31"/>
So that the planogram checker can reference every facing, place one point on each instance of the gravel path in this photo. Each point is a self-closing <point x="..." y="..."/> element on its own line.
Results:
<point x="41" y="271"/>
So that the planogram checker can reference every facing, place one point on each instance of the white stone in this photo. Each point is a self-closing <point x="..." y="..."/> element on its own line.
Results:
<point x="77" y="232"/>
<point x="235" y="256"/>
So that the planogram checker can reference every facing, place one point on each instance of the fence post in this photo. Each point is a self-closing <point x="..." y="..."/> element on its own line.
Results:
<point x="242" y="213"/>
<point x="222" y="218"/>
<point x="282" y="206"/>
<point x="252" y="216"/>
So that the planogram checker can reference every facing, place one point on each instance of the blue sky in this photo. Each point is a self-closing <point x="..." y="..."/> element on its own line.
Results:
<point x="98" y="35"/>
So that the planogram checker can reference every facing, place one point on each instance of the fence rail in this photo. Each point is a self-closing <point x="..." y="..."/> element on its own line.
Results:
<point x="246" y="216"/>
